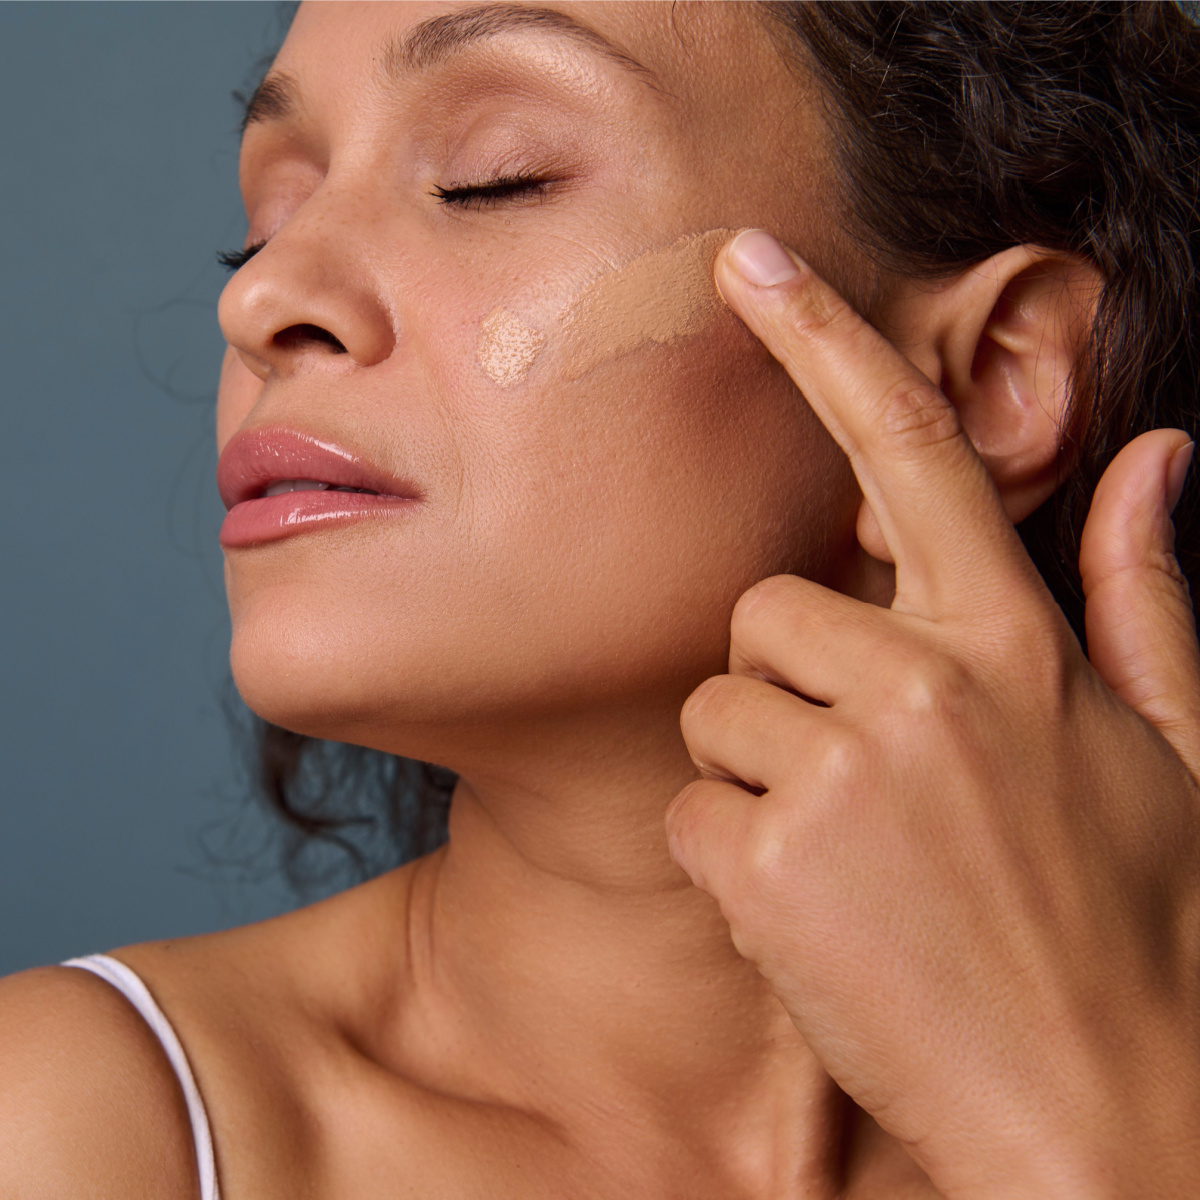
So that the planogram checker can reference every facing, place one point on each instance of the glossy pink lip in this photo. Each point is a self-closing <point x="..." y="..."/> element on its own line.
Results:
<point x="258" y="458"/>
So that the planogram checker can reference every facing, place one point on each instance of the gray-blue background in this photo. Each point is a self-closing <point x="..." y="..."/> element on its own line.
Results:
<point x="118" y="781"/>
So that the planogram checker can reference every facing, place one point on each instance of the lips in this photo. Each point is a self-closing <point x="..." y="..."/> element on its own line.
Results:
<point x="277" y="482"/>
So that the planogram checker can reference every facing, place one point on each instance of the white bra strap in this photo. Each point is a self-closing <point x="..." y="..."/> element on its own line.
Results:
<point x="134" y="990"/>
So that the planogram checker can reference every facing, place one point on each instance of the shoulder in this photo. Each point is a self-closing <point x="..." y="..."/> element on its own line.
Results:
<point x="89" y="1104"/>
<point x="268" y="1015"/>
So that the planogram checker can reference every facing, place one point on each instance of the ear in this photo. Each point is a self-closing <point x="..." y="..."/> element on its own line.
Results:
<point x="1001" y="340"/>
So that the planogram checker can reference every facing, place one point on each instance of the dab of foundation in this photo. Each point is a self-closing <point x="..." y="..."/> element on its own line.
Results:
<point x="661" y="297"/>
<point x="507" y="347"/>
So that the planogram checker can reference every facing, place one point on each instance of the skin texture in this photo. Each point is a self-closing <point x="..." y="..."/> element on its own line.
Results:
<point x="548" y="1006"/>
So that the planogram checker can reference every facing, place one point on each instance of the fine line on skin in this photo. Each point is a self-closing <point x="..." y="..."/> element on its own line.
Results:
<point x="658" y="298"/>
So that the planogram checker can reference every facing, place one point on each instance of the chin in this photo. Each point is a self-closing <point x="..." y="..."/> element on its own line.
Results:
<point x="306" y="656"/>
<point x="334" y="634"/>
<point x="314" y="657"/>
<point x="293" y="684"/>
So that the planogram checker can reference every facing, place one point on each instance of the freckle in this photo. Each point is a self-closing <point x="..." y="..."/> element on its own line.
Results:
<point x="507" y="347"/>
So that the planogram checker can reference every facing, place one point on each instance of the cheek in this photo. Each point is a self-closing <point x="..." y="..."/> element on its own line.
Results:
<point x="582" y="539"/>
<point x="631" y="508"/>
<point x="705" y="446"/>
<point x="237" y="393"/>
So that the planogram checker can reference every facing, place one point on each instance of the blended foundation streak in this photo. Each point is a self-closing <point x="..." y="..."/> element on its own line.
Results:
<point x="507" y="347"/>
<point x="658" y="298"/>
<point x="661" y="297"/>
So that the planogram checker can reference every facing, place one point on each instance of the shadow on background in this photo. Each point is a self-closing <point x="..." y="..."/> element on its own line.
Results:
<point x="123" y="812"/>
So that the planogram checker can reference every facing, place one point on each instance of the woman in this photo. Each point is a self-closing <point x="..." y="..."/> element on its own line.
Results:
<point x="500" y="466"/>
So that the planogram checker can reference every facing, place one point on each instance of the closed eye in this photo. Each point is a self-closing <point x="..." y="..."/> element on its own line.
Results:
<point x="473" y="195"/>
<point x="485" y="195"/>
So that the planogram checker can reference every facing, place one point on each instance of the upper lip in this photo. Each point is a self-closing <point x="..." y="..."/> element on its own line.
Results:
<point x="256" y="458"/>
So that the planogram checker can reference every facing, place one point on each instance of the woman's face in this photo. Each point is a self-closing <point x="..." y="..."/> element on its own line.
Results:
<point x="583" y="504"/>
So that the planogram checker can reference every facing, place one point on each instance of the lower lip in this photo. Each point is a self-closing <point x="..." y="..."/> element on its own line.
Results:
<point x="270" y="518"/>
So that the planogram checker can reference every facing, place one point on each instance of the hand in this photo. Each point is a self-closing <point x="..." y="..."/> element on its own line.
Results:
<point x="972" y="875"/>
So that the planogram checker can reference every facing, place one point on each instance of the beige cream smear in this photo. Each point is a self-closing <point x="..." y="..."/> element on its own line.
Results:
<point x="658" y="298"/>
<point x="507" y="347"/>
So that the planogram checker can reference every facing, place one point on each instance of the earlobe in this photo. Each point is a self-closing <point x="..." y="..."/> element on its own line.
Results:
<point x="1003" y="341"/>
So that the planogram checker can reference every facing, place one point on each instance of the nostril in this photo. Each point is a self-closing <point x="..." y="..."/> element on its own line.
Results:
<point x="294" y="337"/>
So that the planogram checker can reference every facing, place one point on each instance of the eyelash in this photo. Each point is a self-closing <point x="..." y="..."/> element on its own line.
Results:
<point x="231" y="260"/>
<point x="474" y="195"/>
<point x="486" y="195"/>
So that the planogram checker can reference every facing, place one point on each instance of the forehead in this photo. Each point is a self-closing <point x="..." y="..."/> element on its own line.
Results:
<point x="692" y="53"/>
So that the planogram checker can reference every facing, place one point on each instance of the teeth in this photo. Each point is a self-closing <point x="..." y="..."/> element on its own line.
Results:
<point x="296" y="485"/>
<point x="310" y="485"/>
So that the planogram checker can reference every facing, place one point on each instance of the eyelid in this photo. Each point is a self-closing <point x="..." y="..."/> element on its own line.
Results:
<point x="492" y="191"/>
<point x="465" y="195"/>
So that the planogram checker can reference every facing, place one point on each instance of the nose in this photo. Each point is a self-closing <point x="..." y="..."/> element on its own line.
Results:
<point x="309" y="298"/>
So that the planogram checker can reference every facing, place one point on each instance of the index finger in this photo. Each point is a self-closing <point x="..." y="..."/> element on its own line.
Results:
<point x="937" y="507"/>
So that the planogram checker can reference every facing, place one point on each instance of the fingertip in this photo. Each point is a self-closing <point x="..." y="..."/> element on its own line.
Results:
<point x="760" y="259"/>
<point x="729" y="282"/>
<point x="1137" y="479"/>
<point x="1130" y="511"/>
<point x="755" y="258"/>
<point x="1177" y="473"/>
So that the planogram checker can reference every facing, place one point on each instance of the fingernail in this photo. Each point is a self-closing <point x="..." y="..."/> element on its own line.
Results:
<point x="1177" y="471"/>
<point x="760" y="259"/>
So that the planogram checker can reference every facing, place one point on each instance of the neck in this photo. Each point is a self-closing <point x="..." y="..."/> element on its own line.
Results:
<point x="570" y="968"/>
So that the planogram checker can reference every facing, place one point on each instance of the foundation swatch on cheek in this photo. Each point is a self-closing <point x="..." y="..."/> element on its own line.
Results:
<point x="661" y="297"/>
<point x="507" y="347"/>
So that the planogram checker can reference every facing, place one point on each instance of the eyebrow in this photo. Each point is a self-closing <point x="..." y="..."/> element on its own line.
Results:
<point x="276" y="98"/>
<point x="435" y="39"/>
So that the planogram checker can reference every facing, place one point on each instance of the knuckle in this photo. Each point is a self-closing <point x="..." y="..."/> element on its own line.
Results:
<point x="1171" y="574"/>
<point x="815" y="311"/>
<point x="920" y="414"/>
<point x="688" y="826"/>
<point x="837" y="765"/>
<point x="710" y="701"/>
<point x="932" y="689"/>
<point x="766" y="595"/>
<point x="720" y="703"/>
<point x="766" y="860"/>
<point x="841" y="788"/>
<point x="762" y="610"/>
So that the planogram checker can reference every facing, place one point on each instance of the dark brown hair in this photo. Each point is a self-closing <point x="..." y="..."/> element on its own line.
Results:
<point x="965" y="128"/>
<point x="961" y="129"/>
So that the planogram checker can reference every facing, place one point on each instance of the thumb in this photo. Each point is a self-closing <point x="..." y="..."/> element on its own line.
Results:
<point x="1141" y="630"/>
